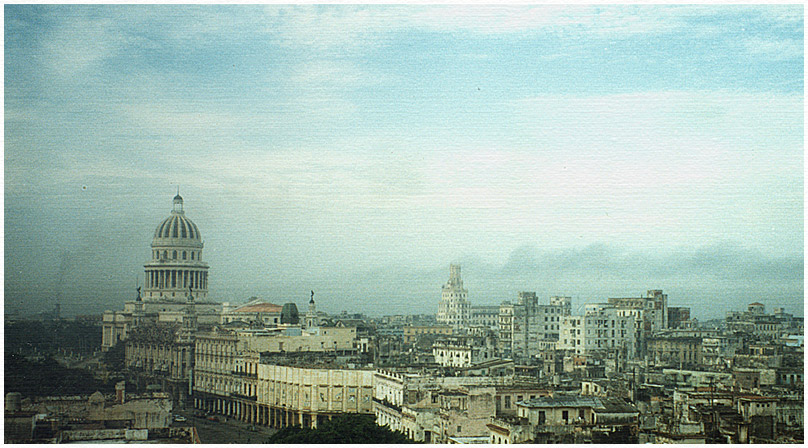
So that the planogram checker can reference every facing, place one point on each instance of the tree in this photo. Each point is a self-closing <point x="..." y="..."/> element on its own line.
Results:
<point x="114" y="358"/>
<point x="345" y="428"/>
<point x="46" y="377"/>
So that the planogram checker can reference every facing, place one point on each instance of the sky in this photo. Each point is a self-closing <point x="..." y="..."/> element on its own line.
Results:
<point x="588" y="151"/>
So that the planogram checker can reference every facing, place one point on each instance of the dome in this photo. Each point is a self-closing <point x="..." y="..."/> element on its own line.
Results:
<point x="177" y="226"/>
<point x="177" y="229"/>
<point x="289" y="314"/>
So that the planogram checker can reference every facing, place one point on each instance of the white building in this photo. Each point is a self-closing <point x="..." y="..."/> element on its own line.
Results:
<point x="602" y="329"/>
<point x="453" y="308"/>
<point x="526" y="327"/>
<point x="463" y="351"/>
<point x="572" y="334"/>
<point x="176" y="260"/>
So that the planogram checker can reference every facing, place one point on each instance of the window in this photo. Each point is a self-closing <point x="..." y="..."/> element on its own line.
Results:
<point x="565" y="415"/>
<point x="507" y="402"/>
<point x="184" y="255"/>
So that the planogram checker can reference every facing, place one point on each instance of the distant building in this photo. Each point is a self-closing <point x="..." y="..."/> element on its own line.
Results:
<point x="603" y="330"/>
<point x="568" y="419"/>
<point x="454" y="308"/>
<point x="677" y="316"/>
<point x="651" y="309"/>
<point x="525" y="327"/>
<point x="463" y="351"/>
<point x="755" y="321"/>
<point x="672" y="351"/>
<point x="256" y="310"/>
<point x="411" y="333"/>
<point x="484" y="316"/>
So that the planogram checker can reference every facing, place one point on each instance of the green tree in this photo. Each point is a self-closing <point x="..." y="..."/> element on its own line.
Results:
<point x="46" y="377"/>
<point x="346" y="428"/>
<point x="114" y="358"/>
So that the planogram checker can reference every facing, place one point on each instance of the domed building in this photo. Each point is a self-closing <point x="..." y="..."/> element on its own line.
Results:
<point x="175" y="276"/>
<point x="176" y="268"/>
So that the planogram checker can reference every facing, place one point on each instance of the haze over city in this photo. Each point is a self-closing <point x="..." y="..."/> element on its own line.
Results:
<point x="592" y="152"/>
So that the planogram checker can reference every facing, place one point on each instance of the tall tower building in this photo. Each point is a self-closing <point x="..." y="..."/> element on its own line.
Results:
<point x="176" y="268"/>
<point x="453" y="308"/>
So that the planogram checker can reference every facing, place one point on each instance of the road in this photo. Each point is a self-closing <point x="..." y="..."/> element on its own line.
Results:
<point x="231" y="431"/>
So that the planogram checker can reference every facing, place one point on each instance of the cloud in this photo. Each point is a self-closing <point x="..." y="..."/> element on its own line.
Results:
<point x="725" y="261"/>
<point x="775" y="49"/>
<point x="371" y="26"/>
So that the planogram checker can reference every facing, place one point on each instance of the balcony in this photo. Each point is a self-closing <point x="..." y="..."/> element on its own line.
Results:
<point x="386" y="403"/>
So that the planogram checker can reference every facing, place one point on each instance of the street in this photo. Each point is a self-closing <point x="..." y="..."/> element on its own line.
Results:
<point x="231" y="431"/>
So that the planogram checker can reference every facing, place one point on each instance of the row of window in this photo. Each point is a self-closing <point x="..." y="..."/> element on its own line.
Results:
<point x="164" y="255"/>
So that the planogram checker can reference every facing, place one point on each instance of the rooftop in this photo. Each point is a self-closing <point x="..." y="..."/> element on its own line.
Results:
<point x="259" y="308"/>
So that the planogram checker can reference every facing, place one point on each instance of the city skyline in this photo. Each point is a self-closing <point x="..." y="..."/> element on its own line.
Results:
<point x="592" y="152"/>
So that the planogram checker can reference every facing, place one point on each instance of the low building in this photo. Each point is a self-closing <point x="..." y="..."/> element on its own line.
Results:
<point x="256" y="310"/>
<point x="568" y="419"/>
<point x="673" y="351"/>
<point x="463" y="351"/>
<point x="411" y="333"/>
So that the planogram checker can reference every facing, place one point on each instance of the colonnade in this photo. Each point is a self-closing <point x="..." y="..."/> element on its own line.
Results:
<point x="177" y="278"/>
<point x="251" y="412"/>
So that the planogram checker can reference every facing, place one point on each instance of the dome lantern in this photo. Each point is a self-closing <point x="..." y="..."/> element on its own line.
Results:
<point x="177" y="203"/>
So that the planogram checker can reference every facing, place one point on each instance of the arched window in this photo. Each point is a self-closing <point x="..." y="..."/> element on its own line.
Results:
<point x="192" y="255"/>
<point x="175" y="254"/>
<point x="165" y="255"/>
<point x="184" y="255"/>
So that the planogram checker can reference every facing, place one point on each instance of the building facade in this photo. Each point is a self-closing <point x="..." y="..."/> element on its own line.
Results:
<point x="526" y="327"/>
<point x="454" y="309"/>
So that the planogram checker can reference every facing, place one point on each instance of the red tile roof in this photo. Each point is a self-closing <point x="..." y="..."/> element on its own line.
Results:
<point x="259" y="308"/>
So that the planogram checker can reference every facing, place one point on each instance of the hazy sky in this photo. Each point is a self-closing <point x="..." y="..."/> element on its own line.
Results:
<point x="357" y="151"/>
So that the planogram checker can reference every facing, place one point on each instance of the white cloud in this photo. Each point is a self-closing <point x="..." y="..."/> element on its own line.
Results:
<point x="77" y="47"/>
<point x="774" y="49"/>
